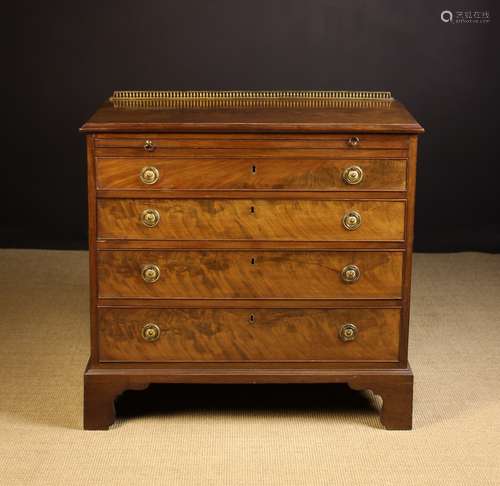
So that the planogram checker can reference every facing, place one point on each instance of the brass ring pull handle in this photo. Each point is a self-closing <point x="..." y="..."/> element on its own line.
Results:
<point x="351" y="220"/>
<point x="149" y="146"/>
<point x="353" y="141"/>
<point x="149" y="175"/>
<point x="353" y="175"/>
<point x="150" y="332"/>
<point x="348" y="332"/>
<point x="150" y="217"/>
<point x="350" y="274"/>
<point x="150" y="273"/>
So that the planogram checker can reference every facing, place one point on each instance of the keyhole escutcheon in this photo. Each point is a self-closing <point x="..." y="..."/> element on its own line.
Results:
<point x="254" y="169"/>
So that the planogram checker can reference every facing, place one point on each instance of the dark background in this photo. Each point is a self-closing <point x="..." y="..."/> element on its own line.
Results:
<point x="67" y="57"/>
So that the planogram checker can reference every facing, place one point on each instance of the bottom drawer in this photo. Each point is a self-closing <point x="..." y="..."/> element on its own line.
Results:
<point x="166" y="335"/>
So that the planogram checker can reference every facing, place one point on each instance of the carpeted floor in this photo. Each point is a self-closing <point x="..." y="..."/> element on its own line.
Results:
<point x="249" y="435"/>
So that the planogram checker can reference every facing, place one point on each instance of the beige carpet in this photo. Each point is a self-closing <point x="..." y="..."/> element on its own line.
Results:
<point x="253" y="435"/>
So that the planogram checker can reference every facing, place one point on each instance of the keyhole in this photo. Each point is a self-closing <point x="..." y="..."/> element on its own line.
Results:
<point x="252" y="209"/>
<point x="251" y="318"/>
<point x="253" y="261"/>
<point x="254" y="169"/>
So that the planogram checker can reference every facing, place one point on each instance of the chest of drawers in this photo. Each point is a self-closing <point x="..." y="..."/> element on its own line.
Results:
<point x="250" y="238"/>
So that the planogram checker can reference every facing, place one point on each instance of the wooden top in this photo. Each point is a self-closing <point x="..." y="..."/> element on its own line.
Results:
<point x="282" y="115"/>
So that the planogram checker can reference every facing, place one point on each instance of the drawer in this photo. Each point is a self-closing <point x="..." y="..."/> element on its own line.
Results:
<point x="248" y="140"/>
<point x="177" y="174"/>
<point x="250" y="219"/>
<point x="162" y="335"/>
<point x="249" y="274"/>
<point x="240" y="145"/>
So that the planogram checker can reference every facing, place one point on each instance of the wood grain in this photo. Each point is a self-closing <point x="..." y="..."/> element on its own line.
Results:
<point x="393" y="118"/>
<point x="248" y="334"/>
<point x="247" y="245"/>
<point x="397" y="398"/>
<point x="104" y="383"/>
<point x="249" y="303"/>
<point x="144" y="193"/>
<point x="173" y="141"/>
<point x="255" y="219"/>
<point x="250" y="274"/>
<point x="92" y="236"/>
<point x="247" y="174"/>
<point x="270" y="151"/>
<point x="407" y="263"/>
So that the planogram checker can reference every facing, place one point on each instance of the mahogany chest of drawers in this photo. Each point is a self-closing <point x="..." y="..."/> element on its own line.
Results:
<point x="250" y="237"/>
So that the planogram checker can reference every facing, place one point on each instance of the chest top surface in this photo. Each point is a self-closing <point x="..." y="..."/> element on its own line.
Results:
<point x="313" y="111"/>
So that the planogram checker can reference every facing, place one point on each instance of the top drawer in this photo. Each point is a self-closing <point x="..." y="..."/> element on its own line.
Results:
<point x="251" y="145"/>
<point x="198" y="174"/>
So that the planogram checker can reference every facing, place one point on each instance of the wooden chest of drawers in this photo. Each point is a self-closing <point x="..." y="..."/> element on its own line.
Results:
<point x="250" y="238"/>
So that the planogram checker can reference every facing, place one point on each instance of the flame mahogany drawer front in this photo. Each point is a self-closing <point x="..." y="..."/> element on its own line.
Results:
<point x="250" y="238"/>
<point x="252" y="173"/>
<point x="249" y="274"/>
<point x="159" y="335"/>
<point x="250" y="219"/>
